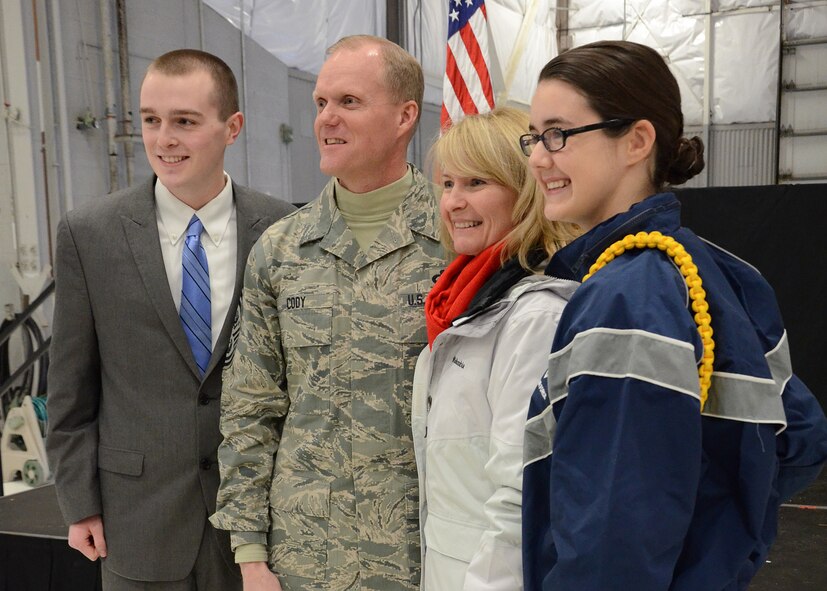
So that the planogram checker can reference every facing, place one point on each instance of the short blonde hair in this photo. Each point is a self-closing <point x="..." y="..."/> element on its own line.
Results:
<point x="403" y="75"/>
<point x="487" y="146"/>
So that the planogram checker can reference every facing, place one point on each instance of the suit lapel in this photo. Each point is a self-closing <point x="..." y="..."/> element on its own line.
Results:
<point x="249" y="226"/>
<point x="141" y="228"/>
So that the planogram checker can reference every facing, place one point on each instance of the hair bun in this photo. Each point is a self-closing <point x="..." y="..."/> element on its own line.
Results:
<point x="688" y="160"/>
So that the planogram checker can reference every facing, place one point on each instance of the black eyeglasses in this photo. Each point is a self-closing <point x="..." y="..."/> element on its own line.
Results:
<point x="554" y="138"/>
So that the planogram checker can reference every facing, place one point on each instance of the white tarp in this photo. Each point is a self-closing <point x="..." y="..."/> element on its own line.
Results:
<point x="299" y="31"/>
<point x="744" y="44"/>
<point x="745" y="68"/>
<point x="805" y="22"/>
<point x="526" y="39"/>
<point x="725" y="5"/>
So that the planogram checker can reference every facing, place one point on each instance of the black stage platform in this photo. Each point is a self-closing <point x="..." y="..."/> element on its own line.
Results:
<point x="34" y="554"/>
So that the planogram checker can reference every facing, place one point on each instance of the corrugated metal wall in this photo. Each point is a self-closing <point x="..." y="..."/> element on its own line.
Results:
<point x="743" y="155"/>
<point x="739" y="155"/>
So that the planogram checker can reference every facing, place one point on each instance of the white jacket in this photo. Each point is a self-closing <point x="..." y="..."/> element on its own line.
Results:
<point x="470" y="397"/>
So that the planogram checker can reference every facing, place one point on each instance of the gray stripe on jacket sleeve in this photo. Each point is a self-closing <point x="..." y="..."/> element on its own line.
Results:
<point x="752" y="399"/>
<point x="539" y="430"/>
<point x="616" y="353"/>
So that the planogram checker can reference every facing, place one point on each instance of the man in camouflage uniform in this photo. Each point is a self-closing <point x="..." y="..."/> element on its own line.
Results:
<point x="317" y="461"/>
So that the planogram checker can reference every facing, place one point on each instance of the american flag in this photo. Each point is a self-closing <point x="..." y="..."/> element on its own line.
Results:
<point x="466" y="88"/>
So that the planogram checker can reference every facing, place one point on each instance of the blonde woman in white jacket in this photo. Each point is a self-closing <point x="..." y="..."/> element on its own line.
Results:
<point x="491" y="321"/>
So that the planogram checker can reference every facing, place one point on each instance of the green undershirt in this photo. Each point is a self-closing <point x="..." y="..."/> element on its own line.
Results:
<point x="367" y="213"/>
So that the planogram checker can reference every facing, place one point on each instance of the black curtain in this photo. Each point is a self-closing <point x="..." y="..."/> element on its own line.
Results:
<point x="779" y="230"/>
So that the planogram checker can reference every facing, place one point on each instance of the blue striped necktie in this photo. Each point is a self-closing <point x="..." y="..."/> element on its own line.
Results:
<point x="195" y="311"/>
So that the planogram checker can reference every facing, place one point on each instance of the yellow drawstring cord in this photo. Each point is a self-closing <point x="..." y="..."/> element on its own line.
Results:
<point x="696" y="292"/>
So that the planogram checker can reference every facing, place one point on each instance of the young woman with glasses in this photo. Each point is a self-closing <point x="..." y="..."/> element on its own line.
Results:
<point x="669" y="427"/>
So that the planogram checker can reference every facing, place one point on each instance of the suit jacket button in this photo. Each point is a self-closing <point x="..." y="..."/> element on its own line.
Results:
<point x="206" y="464"/>
<point x="203" y="400"/>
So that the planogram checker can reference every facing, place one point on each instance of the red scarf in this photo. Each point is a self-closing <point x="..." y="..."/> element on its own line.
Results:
<point x="457" y="286"/>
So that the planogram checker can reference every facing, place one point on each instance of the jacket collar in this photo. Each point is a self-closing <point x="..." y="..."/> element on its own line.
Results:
<point x="416" y="214"/>
<point x="482" y="320"/>
<point x="659" y="212"/>
<point x="501" y="281"/>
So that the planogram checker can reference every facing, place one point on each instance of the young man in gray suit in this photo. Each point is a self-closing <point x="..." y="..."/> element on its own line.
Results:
<point x="147" y="284"/>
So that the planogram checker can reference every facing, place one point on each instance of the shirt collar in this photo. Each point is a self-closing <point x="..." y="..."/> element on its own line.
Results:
<point x="175" y="215"/>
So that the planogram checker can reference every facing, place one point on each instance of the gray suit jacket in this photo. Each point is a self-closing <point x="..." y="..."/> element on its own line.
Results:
<point x="133" y="430"/>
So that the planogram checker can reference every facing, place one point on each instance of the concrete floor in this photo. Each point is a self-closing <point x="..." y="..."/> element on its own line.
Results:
<point x="798" y="559"/>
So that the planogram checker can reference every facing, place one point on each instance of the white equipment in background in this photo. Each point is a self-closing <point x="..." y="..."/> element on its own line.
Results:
<point x="22" y="450"/>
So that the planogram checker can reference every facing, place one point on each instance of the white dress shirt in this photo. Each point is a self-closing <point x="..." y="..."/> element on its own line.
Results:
<point x="219" y="239"/>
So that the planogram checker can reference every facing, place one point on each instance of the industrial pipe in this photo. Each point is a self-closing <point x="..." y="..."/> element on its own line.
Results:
<point x="109" y="91"/>
<point x="126" y="101"/>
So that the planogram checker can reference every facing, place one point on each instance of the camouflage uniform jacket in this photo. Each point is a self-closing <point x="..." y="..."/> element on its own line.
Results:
<point x="317" y="460"/>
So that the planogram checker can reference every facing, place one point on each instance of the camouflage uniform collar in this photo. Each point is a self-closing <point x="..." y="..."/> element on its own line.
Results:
<point x="417" y="213"/>
<point x="320" y="215"/>
<point x="420" y="208"/>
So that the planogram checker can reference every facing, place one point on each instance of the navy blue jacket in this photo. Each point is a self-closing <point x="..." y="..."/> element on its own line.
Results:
<point x="627" y="485"/>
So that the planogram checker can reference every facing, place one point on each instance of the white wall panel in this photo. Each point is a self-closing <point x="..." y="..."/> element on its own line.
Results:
<point x="745" y="67"/>
<point x="805" y="21"/>
<point x="724" y="5"/>
<point x="306" y="178"/>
